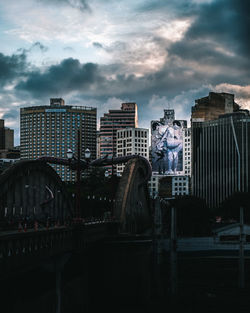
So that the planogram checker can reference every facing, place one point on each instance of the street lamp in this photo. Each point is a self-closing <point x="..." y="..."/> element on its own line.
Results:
<point x="69" y="154"/>
<point x="87" y="154"/>
<point x="106" y="173"/>
<point x="77" y="166"/>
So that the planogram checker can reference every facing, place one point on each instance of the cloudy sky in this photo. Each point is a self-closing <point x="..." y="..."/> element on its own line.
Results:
<point x="158" y="53"/>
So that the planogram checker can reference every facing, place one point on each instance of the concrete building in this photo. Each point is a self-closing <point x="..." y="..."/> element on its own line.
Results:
<point x="180" y="186"/>
<point x="6" y="137"/>
<point x="112" y="121"/>
<point x="52" y="129"/>
<point x="211" y="107"/>
<point x="98" y="144"/>
<point x="153" y="185"/>
<point x="2" y="135"/>
<point x="171" y="156"/>
<point x="169" y="186"/>
<point x="220" y="157"/>
<point x="167" y="144"/>
<point x="132" y="141"/>
<point x="10" y="153"/>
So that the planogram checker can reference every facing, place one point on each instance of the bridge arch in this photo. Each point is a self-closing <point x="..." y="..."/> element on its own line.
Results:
<point x="32" y="188"/>
<point x="132" y="201"/>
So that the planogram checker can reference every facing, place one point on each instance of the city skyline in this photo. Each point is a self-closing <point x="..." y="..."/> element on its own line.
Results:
<point x="159" y="54"/>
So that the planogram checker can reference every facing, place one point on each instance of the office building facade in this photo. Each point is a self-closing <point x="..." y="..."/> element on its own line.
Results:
<point x="6" y="137"/>
<point x="169" y="186"/>
<point x="221" y="157"/>
<point x="187" y="155"/>
<point x="113" y="121"/>
<point x="132" y="141"/>
<point x="51" y="130"/>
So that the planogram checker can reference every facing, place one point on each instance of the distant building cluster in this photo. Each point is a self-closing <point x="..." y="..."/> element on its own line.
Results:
<point x="210" y="159"/>
<point x="111" y="123"/>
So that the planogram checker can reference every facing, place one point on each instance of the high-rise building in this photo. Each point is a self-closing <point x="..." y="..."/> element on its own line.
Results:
<point x="211" y="107"/>
<point x="167" y="144"/>
<point x="126" y="117"/>
<point x="220" y="157"/>
<point x="98" y="145"/>
<point x="132" y="141"/>
<point x="6" y="137"/>
<point x="153" y="184"/>
<point x="2" y="135"/>
<point x="52" y="129"/>
<point x="187" y="151"/>
<point x="171" y="156"/>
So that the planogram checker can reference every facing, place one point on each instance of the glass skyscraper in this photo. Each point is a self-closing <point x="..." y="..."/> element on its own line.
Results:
<point x="221" y="157"/>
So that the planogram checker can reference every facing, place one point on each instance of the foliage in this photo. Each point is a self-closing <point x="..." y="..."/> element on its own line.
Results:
<point x="230" y="208"/>
<point x="193" y="216"/>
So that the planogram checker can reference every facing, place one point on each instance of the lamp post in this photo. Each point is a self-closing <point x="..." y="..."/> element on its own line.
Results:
<point x="241" y="243"/>
<point x="78" y="168"/>
<point x="106" y="174"/>
<point x="112" y="181"/>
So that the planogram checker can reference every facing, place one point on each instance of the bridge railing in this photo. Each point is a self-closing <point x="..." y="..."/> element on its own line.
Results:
<point x="34" y="243"/>
<point x="22" y="248"/>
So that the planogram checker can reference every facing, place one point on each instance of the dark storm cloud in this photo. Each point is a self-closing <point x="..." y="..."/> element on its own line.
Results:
<point x="11" y="67"/>
<point x="69" y="75"/>
<point x="216" y="46"/>
<point x="225" y="21"/>
<point x="94" y="80"/>
<point x="210" y="54"/>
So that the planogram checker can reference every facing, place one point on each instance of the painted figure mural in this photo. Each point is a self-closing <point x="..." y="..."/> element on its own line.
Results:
<point x="167" y="144"/>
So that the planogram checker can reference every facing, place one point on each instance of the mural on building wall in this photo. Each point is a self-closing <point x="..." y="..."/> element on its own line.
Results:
<point x="167" y="146"/>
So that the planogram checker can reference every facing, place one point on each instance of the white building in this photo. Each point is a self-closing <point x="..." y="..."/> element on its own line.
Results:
<point x="172" y="185"/>
<point x="180" y="185"/>
<point x="153" y="185"/>
<point x="132" y="141"/>
<point x="187" y="151"/>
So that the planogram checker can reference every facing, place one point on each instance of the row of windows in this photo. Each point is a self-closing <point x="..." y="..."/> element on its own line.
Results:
<point x="180" y="184"/>
<point x="180" y="178"/>
<point x="128" y="133"/>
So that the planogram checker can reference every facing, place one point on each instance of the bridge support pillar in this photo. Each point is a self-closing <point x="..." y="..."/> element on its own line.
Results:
<point x="59" y="270"/>
<point x="56" y="265"/>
